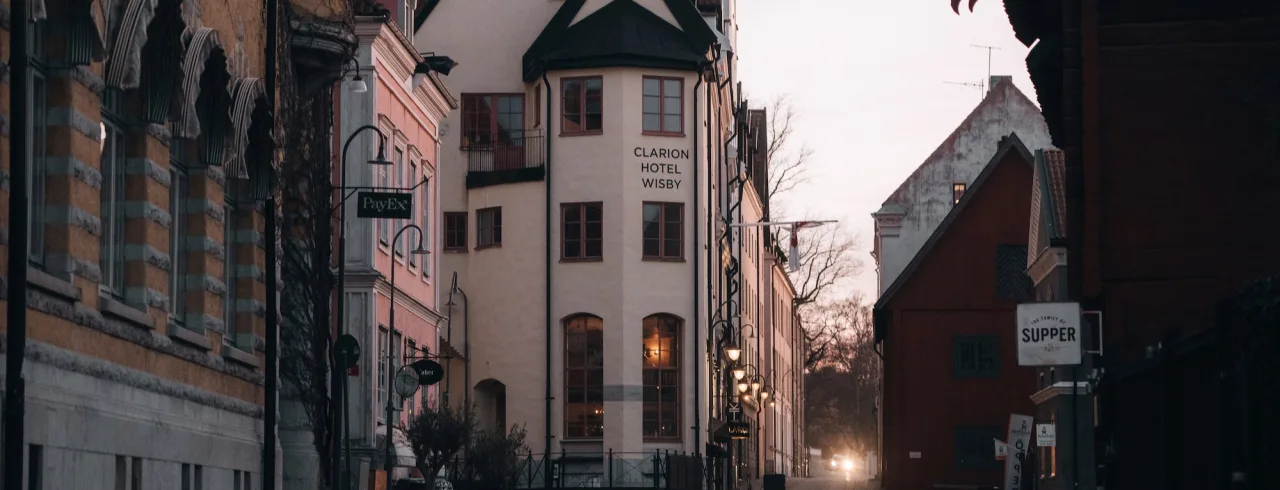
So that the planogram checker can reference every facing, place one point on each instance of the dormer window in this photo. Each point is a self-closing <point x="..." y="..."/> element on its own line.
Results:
<point x="957" y="192"/>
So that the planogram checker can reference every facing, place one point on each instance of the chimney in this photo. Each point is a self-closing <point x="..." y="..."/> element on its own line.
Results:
<point x="996" y="80"/>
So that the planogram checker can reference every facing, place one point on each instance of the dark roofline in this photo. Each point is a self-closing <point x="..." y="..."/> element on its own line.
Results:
<point x="1048" y="202"/>
<point x="1010" y="143"/>
<point x="684" y="11"/>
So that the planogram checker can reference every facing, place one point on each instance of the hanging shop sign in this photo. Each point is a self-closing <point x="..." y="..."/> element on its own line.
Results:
<point x="1048" y="334"/>
<point x="739" y="430"/>
<point x="1019" y="438"/>
<point x="384" y="205"/>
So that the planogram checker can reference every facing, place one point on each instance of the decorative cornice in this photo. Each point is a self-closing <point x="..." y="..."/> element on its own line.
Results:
<point x="1048" y="260"/>
<point x="388" y="44"/>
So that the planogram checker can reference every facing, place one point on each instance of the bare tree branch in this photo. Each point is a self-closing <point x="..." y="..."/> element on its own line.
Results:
<point x="788" y="167"/>
<point x="844" y="381"/>
<point x="827" y="257"/>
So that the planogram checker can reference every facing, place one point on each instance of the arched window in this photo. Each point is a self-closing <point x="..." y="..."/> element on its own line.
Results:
<point x="584" y="376"/>
<point x="662" y="376"/>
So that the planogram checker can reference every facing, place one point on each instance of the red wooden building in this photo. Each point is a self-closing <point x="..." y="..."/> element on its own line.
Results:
<point x="945" y="325"/>
<point x="1169" y="115"/>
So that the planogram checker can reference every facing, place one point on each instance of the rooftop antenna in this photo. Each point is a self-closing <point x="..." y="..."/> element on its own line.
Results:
<point x="989" y="50"/>
<point x="982" y="87"/>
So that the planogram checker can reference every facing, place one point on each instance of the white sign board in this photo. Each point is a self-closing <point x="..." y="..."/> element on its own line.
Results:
<point x="1046" y="436"/>
<point x="1002" y="450"/>
<point x="1048" y="334"/>
<point x="914" y="455"/>
<point x="1019" y="438"/>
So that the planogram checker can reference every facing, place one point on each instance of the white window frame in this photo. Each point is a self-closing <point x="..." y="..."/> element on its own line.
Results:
<point x="398" y="180"/>
<point x="111" y="257"/>
<point x="179" y="189"/>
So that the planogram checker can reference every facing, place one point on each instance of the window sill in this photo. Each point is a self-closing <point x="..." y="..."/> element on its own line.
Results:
<point x="115" y="308"/>
<point x="189" y="336"/>
<point x="455" y="250"/>
<point x="485" y="247"/>
<point x="52" y="284"/>
<point x="581" y="133"/>
<point x="667" y="134"/>
<point x="564" y="260"/>
<point x="663" y="259"/>
<point x="234" y="354"/>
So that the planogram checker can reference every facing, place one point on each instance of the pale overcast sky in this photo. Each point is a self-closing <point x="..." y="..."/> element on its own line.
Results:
<point x="867" y="79"/>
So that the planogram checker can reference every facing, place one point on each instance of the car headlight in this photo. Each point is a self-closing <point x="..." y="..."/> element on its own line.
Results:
<point x="848" y="465"/>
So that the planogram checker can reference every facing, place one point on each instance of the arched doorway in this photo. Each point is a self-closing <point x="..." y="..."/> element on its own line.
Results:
<point x="491" y="404"/>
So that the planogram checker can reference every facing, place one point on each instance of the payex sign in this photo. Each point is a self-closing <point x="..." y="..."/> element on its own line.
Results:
<point x="1048" y="334"/>
<point x="385" y="205"/>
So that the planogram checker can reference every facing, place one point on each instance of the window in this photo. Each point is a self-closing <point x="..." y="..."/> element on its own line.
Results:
<point x="411" y="349"/>
<point x="582" y="105"/>
<point x="229" y="260"/>
<point x="662" y="377"/>
<point x="413" y="181"/>
<point x="398" y="178"/>
<point x="384" y="226"/>
<point x="179" y="189"/>
<point x="1012" y="281"/>
<point x="406" y="18"/>
<point x="664" y="230"/>
<point x="384" y="338"/>
<point x="113" y="194"/>
<point x="193" y="477"/>
<point x="488" y="227"/>
<point x="973" y="447"/>
<point x="977" y="356"/>
<point x="455" y="231"/>
<point x="537" y="106"/>
<point x="35" y="467"/>
<point x="581" y="231"/>
<point x="584" y="377"/>
<point x="241" y="480"/>
<point x="397" y="340"/>
<point x="489" y="119"/>
<point x="36" y="173"/>
<point x="663" y="106"/>
<point x="957" y="192"/>
<point x="1053" y="450"/>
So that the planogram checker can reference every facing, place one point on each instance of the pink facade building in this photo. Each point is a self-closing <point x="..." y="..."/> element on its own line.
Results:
<point x="407" y="110"/>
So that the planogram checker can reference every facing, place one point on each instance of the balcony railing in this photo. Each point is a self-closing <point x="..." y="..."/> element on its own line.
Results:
<point x="505" y="157"/>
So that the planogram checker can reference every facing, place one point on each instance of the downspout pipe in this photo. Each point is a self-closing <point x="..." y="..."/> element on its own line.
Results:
<point x="546" y="458"/>
<point x="16" y="317"/>
<point x="697" y="256"/>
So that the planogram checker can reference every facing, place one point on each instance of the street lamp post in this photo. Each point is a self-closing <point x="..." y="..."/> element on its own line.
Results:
<point x="341" y="417"/>
<point x="389" y="464"/>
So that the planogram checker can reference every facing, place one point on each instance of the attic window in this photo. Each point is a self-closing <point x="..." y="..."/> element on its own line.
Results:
<point x="957" y="192"/>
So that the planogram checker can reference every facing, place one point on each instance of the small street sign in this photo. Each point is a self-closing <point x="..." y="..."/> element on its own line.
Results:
<point x="1048" y="334"/>
<point x="1002" y="450"/>
<point x="385" y="205"/>
<point x="739" y="430"/>
<point x="347" y="350"/>
<point x="735" y="413"/>
<point x="429" y="371"/>
<point x="1046" y="435"/>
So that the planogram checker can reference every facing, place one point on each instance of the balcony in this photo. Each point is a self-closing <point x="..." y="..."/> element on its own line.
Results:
<point x="504" y="158"/>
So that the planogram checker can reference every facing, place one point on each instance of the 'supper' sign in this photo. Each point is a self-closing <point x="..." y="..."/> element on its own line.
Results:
<point x="386" y="205"/>
<point x="1048" y="334"/>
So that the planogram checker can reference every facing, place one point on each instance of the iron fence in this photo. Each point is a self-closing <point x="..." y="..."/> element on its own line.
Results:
<point x="617" y="470"/>
<point x="505" y="151"/>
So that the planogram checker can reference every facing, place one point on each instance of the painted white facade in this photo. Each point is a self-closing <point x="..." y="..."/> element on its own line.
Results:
<point x="506" y="285"/>
<point x="911" y="214"/>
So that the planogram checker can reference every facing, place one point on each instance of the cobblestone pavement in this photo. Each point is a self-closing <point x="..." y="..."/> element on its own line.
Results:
<point x="823" y="483"/>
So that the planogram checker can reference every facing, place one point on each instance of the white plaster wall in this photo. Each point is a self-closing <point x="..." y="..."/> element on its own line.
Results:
<point x="86" y="412"/>
<point x="926" y="196"/>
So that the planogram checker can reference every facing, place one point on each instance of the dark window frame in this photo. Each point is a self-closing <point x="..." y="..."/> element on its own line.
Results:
<point x="471" y="127"/>
<point x="589" y="344"/>
<point x="972" y="447"/>
<point x="662" y="256"/>
<point x="495" y="229"/>
<point x="662" y="130"/>
<point x="583" y="225"/>
<point x="583" y="129"/>
<point x="675" y="369"/>
<point x="968" y="356"/>
<point x="453" y="219"/>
